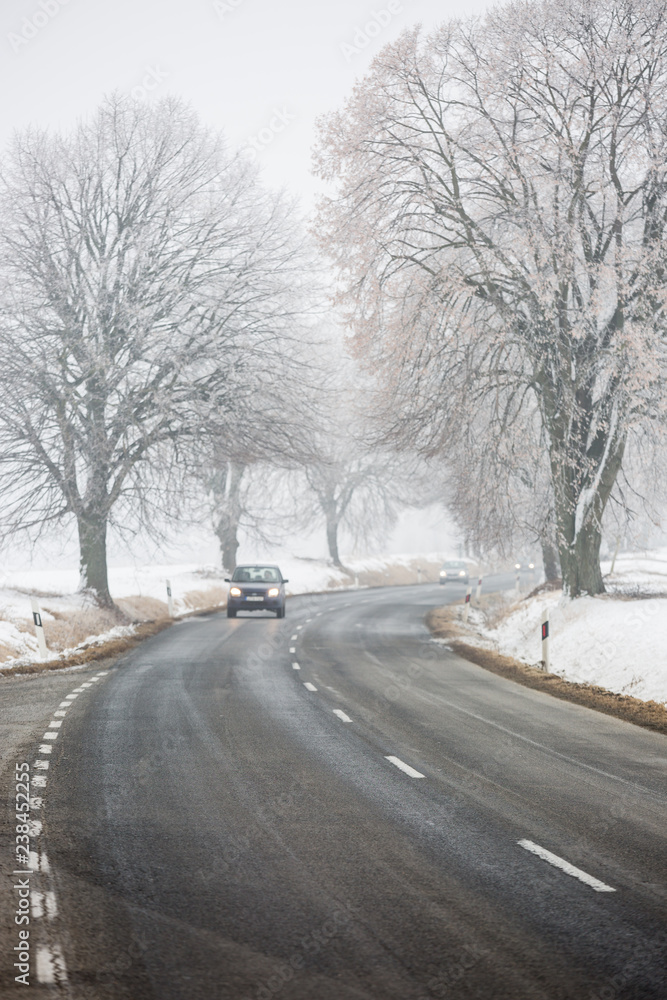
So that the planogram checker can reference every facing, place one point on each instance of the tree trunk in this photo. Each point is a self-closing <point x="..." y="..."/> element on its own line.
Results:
<point x="332" y="539"/>
<point x="579" y="505"/>
<point x="550" y="560"/>
<point x="93" y="558"/>
<point x="227" y="527"/>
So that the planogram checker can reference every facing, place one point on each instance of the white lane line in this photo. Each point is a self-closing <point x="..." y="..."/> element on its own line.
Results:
<point x="103" y="673"/>
<point x="565" y="866"/>
<point x="55" y="725"/>
<point x="50" y="736"/>
<point x="87" y="684"/>
<point x="50" y="965"/>
<point x="36" y="904"/>
<point x="293" y="637"/>
<point x="309" y="686"/>
<point x="65" y="704"/>
<point x="39" y="781"/>
<point x="341" y="715"/>
<point x="45" y="748"/>
<point x="308" y="620"/>
<point x="35" y="802"/>
<point x="35" y="828"/>
<point x="94" y="679"/>
<point x="299" y="627"/>
<point x="60" y="714"/>
<point x="41" y="765"/>
<point x="292" y="649"/>
<point x="318" y="614"/>
<point x="295" y="666"/>
<point x="405" y="767"/>
<point x="71" y="697"/>
<point x="78" y="690"/>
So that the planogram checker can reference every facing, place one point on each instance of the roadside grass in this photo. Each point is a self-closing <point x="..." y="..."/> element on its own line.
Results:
<point x="648" y="714"/>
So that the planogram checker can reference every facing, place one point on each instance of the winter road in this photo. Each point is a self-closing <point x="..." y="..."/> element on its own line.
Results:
<point x="333" y="807"/>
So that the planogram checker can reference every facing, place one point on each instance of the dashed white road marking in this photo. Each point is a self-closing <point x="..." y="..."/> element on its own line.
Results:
<point x="341" y="715"/>
<point x="309" y="686"/>
<point x="565" y="866"/>
<point x="50" y="736"/>
<point x="41" y="765"/>
<point x="404" y="767"/>
<point x="87" y="684"/>
<point x="45" y="748"/>
<point x="318" y="614"/>
<point x="295" y="666"/>
<point x="292" y="649"/>
<point x="60" y="713"/>
<point x="50" y="964"/>
<point x="293" y="637"/>
<point x="55" y="725"/>
<point x="308" y="620"/>
<point x="65" y="704"/>
<point x="34" y="828"/>
<point x="71" y="697"/>
<point x="299" y="627"/>
<point x="39" y="781"/>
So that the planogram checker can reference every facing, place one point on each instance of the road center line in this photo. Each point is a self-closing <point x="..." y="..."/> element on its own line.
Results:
<point x="294" y="637"/>
<point x="341" y="715"/>
<point x="295" y="666"/>
<point x="309" y="686"/>
<point x="292" y="649"/>
<point x="565" y="866"/>
<point x="405" y="767"/>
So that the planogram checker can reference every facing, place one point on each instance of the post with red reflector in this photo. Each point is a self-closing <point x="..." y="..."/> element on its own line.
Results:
<point x="545" y="644"/>
<point x="479" y="588"/>
<point x="467" y="605"/>
<point x="39" y="628"/>
<point x="170" y="600"/>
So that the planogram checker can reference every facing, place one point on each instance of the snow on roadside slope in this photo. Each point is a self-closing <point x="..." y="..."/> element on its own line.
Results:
<point x="616" y="643"/>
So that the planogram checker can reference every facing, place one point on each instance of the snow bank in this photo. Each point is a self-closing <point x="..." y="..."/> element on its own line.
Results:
<point x="615" y="642"/>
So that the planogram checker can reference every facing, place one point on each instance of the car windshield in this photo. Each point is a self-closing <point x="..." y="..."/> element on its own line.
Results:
<point x="256" y="574"/>
<point x="454" y="565"/>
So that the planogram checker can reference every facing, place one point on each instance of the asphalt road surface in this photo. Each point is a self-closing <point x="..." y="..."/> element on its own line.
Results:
<point x="334" y="806"/>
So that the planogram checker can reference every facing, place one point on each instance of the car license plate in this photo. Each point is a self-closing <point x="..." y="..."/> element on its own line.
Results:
<point x="254" y="598"/>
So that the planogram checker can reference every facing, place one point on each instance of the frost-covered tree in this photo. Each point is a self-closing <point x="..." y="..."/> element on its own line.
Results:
<point x="499" y="225"/>
<point x="147" y="284"/>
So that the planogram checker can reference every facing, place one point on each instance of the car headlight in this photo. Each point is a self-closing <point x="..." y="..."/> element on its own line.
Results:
<point x="443" y="572"/>
<point x="531" y="565"/>
<point x="517" y="565"/>
<point x="274" y="591"/>
<point x="234" y="592"/>
<point x="462" y="572"/>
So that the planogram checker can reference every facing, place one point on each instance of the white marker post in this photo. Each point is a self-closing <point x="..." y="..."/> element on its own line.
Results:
<point x="479" y="589"/>
<point x="419" y="574"/>
<point x="545" y="644"/>
<point x="467" y="605"/>
<point x="518" y="583"/>
<point x="39" y="628"/>
<point x="170" y="601"/>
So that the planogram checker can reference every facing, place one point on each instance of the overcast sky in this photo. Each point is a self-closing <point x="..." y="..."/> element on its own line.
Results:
<point x="262" y="70"/>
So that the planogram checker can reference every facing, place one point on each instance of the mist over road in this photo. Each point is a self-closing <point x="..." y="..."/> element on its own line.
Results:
<point x="331" y="807"/>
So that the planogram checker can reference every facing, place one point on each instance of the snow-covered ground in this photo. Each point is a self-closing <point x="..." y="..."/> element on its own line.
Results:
<point x="141" y="591"/>
<point x="617" y="641"/>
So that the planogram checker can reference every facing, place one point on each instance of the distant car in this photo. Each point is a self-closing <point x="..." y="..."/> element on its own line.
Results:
<point x="524" y="566"/>
<point x="454" y="570"/>
<point x="256" y="588"/>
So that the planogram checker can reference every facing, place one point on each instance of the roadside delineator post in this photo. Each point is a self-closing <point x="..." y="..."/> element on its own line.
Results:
<point x="39" y="628"/>
<point x="479" y="588"/>
<point x="467" y="605"/>
<point x="545" y="644"/>
<point x="518" y="583"/>
<point x="419" y="574"/>
<point x="170" y="600"/>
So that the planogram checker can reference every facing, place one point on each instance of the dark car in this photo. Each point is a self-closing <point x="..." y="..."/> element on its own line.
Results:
<point x="454" y="570"/>
<point x="256" y="588"/>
